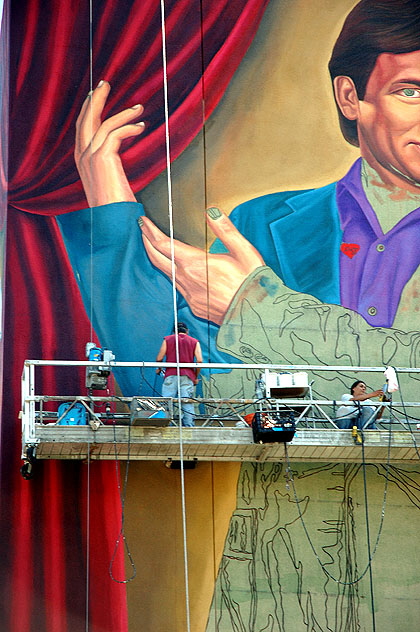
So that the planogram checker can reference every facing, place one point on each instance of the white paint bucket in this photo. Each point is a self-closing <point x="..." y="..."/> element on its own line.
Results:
<point x="300" y="378"/>
<point x="285" y="380"/>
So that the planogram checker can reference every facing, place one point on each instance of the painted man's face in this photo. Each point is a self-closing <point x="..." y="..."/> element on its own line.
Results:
<point x="389" y="117"/>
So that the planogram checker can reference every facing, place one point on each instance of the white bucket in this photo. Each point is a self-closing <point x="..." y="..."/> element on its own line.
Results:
<point x="300" y="379"/>
<point x="285" y="380"/>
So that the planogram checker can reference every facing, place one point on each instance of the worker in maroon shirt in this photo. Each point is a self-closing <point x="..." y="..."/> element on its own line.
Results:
<point x="189" y="350"/>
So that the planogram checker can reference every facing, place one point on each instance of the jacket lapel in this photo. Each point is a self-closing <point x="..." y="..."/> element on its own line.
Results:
<point x="307" y="242"/>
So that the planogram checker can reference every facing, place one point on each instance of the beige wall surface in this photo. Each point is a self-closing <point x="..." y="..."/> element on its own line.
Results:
<point x="276" y="128"/>
<point x="267" y="552"/>
<point x="155" y="535"/>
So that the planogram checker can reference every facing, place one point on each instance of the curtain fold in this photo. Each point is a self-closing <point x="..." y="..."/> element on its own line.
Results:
<point x="205" y="43"/>
<point x="43" y="535"/>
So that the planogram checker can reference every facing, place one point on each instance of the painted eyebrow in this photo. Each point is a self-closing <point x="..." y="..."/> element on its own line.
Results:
<point x="413" y="82"/>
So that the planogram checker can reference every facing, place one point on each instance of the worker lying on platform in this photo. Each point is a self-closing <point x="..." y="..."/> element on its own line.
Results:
<point x="363" y="417"/>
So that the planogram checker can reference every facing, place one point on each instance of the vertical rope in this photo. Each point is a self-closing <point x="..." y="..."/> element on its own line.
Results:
<point x="174" y="299"/>
<point x="91" y="138"/>
<point x="206" y="232"/>
<point x="87" y="539"/>
<point x="215" y="569"/>
<point x="90" y="320"/>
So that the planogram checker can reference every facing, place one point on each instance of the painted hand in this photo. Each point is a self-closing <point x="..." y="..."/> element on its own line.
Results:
<point x="97" y="146"/>
<point x="207" y="281"/>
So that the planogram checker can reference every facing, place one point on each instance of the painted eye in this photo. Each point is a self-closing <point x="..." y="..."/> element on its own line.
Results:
<point x="410" y="92"/>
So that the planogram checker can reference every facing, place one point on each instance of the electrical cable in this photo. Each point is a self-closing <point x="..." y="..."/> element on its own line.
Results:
<point x="372" y="598"/>
<point x="407" y="416"/>
<point x="91" y="273"/>
<point x="123" y="495"/>
<point x="146" y="381"/>
<point x="311" y="544"/>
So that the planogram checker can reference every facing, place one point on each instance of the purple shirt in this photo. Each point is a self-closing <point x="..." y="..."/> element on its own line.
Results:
<point x="372" y="280"/>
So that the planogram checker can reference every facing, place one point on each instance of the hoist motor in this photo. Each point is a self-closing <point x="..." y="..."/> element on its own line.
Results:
<point x="97" y="375"/>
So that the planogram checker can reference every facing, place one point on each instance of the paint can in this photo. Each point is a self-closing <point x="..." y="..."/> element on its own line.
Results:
<point x="285" y="380"/>
<point x="300" y="379"/>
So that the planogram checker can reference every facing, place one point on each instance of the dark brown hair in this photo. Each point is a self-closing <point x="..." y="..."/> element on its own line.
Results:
<point x="353" y="386"/>
<point x="373" y="27"/>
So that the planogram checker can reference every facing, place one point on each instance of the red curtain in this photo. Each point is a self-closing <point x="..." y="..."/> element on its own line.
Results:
<point x="44" y="577"/>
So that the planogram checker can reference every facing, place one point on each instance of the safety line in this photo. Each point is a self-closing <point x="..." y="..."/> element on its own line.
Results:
<point x="174" y="299"/>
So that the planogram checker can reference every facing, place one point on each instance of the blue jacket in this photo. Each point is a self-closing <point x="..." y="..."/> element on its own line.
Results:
<point x="297" y="233"/>
<point x="130" y="302"/>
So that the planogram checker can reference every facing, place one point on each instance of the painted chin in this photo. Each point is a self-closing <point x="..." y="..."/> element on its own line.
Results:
<point x="408" y="167"/>
<point x="413" y="164"/>
<point x="413" y="146"/>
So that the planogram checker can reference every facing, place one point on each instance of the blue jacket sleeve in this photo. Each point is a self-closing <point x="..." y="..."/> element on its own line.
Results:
<point x="128" y="301"/>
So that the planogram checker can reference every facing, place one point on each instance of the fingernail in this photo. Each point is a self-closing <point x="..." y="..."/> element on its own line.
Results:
<point x="140" y="124"/>
<point x="90" y="93"/>
<point x="100" y="83"/>
<point x="140" y="221"/>
<point x="135" y="107"/>
<point x="213" y="212"/>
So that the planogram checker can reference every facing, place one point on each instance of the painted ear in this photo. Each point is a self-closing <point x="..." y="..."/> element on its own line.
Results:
<point x="346" y="97"/>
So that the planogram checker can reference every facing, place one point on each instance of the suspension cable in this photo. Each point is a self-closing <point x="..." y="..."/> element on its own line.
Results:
<point x="206" y="230"/>
<point x="87" y="538"/>
<point x="90" y="319"/>
<point x="91" y="158"/>
<point x="174" y="299"/>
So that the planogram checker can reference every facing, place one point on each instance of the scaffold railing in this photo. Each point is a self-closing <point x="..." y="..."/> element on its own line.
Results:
<point x="40" y="409"/>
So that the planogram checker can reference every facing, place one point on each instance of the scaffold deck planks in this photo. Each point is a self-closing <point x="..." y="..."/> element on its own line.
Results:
<point x="221" y="444"/>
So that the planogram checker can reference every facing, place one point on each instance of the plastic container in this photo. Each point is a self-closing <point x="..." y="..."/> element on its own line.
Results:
<point x="285" y="380"/>
<point x="300" y="378"/>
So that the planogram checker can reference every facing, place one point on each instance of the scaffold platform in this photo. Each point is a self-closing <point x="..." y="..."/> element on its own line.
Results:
<point x="221" y="432"/>
<point x="221" y="444"/>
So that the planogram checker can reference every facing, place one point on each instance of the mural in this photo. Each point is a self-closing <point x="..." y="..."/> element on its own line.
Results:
<point x="316" y="263"/>
<point x="258" y="283"/>
<point x="272" y="578"/>
<point x="58" y="532"/>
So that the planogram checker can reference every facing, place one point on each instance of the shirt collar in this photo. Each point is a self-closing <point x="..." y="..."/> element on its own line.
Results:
<point x="350" y="188"/>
